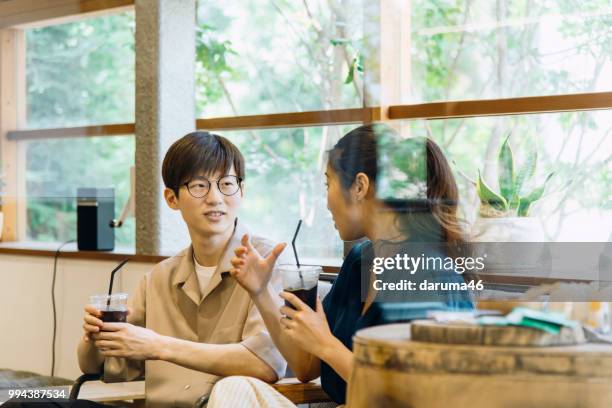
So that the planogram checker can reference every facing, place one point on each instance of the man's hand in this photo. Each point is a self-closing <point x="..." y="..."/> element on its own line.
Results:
<point x="250" y="269"/>
<point x="128" y="341"/>
<point x="92" y="323"/>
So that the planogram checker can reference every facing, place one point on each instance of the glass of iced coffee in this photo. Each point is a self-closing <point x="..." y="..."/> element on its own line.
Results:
<point x="302" y="282"/>
<point x="112" y="307"/>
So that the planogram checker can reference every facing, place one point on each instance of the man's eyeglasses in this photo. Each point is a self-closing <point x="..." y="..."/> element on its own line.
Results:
<point x="227" y="185"/>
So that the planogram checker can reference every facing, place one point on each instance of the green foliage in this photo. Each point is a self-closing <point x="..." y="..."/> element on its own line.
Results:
<point x="489" y="197"/>
<point x="505" y="171"/>
<point x="357" y="63"/>
<point x="56" y="168"/>
<point x="211" y="65"/>
<point x="79" y="73"/>
<point x="526" y="201"/>
<point x="402" y="167"/>
<point x="511" y="199"/>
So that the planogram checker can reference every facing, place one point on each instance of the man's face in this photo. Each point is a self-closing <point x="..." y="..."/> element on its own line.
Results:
<point x="215" y="212"/>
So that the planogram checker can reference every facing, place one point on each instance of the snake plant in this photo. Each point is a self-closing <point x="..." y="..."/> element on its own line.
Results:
<point x="512" y="199"/>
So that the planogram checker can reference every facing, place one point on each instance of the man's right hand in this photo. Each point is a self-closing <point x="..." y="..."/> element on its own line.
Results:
<point x="92" y="323"/>
<point x="250" y="269"/>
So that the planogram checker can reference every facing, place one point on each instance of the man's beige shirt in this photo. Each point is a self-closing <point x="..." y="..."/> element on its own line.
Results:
<point x="168" y="301"/>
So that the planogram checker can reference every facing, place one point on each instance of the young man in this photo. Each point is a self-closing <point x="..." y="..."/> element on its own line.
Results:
<point x="190" y="323"/>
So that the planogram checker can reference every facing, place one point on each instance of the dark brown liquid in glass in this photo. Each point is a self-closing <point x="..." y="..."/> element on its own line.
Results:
<point x="308" y="296"/>
<point x="114" y="316"/>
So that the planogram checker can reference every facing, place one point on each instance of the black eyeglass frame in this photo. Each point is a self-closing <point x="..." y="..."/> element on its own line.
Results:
<point x="239" y="179"/>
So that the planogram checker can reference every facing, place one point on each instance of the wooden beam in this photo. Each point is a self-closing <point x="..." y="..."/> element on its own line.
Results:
<point x="70" y="251"/>
<point x="35" y="13"/>
<point x="434" y="110"/>
<point x="286" y="120"/>
<point x="12" y="115"/>
<point x="49" y="249"/>
<point x="502" y="107"/>
<point x="120" y="129"/>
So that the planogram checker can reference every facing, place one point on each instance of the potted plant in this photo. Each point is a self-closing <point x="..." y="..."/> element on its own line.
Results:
<point x="505" y="214"/>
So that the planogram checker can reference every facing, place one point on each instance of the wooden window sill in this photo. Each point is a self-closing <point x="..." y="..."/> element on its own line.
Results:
<point x="70" y="251"/>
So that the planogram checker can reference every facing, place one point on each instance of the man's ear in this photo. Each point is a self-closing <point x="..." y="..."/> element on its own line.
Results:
<point x="171" y="198"/>
<point x="361" y="186"/>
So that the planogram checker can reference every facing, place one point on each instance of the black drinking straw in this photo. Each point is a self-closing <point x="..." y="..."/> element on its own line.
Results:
<point x="297" y="260"/>
<point x="110" y="287"/>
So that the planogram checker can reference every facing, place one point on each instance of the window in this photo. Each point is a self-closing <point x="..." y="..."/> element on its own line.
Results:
<point x="293" y="76"/>
<point x="57" y="167"/>
<point x="81" y="73"/>
<point x="574" y="147"/>
<point x="285" y="182"/>
<point x="481" y="49"/>
<point x="78" y="74"/>
<point x="261" y="57"/>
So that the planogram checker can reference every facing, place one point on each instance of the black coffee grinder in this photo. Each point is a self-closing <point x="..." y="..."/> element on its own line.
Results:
<point x="95" y="212"/>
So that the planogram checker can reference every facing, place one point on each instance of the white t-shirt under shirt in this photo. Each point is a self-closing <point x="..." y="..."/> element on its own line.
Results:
<point x="204" y="274"/>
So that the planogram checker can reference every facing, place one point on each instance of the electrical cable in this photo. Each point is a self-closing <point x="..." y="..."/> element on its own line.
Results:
<point x="57" y="252"/>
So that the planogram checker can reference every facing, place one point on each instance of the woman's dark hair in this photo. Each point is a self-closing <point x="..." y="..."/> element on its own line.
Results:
<point x="358" y="152"/>
<point x="196" y="153"/>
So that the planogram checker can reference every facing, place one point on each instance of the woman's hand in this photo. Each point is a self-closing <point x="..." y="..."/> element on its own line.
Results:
<point x="128" y="341"/>
<point x="307" y="328"/>
<point x="250" y="269"/>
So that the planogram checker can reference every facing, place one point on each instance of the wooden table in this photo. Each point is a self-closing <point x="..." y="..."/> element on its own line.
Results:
<point x="301" y="393"/>
<point x="107" y="392"/>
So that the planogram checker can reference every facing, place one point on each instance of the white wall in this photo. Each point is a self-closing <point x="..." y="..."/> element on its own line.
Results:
<point x="26" y="317"/>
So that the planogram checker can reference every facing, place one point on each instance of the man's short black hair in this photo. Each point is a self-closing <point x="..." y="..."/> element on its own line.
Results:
<point x="196" y="153"/>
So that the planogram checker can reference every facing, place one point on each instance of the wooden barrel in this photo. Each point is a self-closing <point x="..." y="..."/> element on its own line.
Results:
<point x="390" y="370"/>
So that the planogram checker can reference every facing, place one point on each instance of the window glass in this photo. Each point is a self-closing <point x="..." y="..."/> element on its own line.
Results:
<point x="57" y="167"/>
<point x="259" y="57"/>
<point x="81" y="73"/>
<point x="285" y="182"/>
<point x="573" y="149"/>
<point x="482" y="49"/>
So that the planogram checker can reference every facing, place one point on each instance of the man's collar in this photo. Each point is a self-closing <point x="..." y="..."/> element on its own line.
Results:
<point x="186" y="265"/>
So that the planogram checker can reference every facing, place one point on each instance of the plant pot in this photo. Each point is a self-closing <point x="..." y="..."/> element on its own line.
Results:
<point x="513" y="245"/>
<point x="507" y="229"/>
<point x="1" y="224"/>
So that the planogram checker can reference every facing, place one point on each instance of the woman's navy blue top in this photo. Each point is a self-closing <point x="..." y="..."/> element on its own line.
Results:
<point x="343" y="308"/>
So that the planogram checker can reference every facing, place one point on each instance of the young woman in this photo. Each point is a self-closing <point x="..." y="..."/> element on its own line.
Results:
<point x="319" y="342"/>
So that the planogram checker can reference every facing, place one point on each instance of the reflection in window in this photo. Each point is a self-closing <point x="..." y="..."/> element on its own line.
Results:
<point x="81" y="73"/>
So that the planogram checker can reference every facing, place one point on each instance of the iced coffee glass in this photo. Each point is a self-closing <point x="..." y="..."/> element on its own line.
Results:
<point x="113" y="307"/>
<point x="302" y="282"/>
